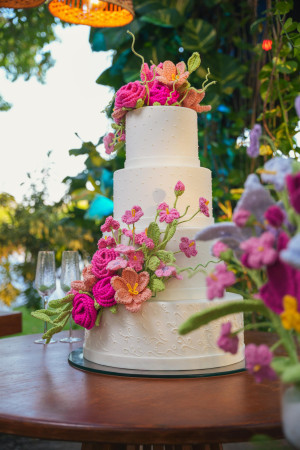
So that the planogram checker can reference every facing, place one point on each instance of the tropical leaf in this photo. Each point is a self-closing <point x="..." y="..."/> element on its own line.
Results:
<point x="198" y="35"/>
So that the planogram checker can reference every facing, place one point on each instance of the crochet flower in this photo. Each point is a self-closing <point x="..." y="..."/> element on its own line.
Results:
<point x="162" y="206"/>
<point x="259" y="251"/>
<point x="218" y="248"/>
<point x="275" y="171"/>
<point x="218" y="280"/>
<point x="258" y="360"/>
<point x="124" y="249"/>
<point x="128" y="95"/>
<point x="169" y="73"/>
<point x="227" y="341"/>
<point x="167" y="271"/>
<point x="108" y="143"/>
<point x="168" y="215"/>
<point x="131" y="289"/>
<point x="149" y="74"/>
<point x="142" y="238"/>
<point x="109" y="224"/>
<point x="188" y="247"/>
<point x="85" y="285"/>
<point x="118" y="115"/>
<point x="107" y="241"/>
<point x="132" y="215"/>
<point x="117" y="264"/>
<point x="203" y="206"/>
<point x="282" y="280"/>
<point x="136" y="260"/>
<point x="290" y="317"/>
<point x="104" y="293"/>
<point x="253" y="149"/>
<point x="84" y="312"/>
<point x="293" y="187"/>
<point x="162" y="94"/>
<point x="240" y="217"/>
<point x="100" y="260"/>
<point x="127" y="232"/>
<point x="179" y="189"/>
<point x="192" y="100"/>
<point x="274" y="216"/>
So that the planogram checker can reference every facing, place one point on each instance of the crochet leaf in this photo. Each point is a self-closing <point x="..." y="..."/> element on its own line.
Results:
<point x="153" y="263"/>
<point x="59" y="302"/>
<point x="166" y="257"/>
<point x="171" y="230"/>
<point x="56" y="329"/>
<point x="61" y="316"/>
<point x="139" y="103"/>
<point x="194" y="62"/>
<point x="113" y="309"/>
<point x="156" y="104"/>
<point x="153" y="232"/>
<point x="97" y="323"/>
<point x="156" y="285"/>
<point x="42" y="316"/>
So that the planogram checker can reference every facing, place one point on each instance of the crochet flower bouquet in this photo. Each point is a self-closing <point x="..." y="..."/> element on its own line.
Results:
<point x="127" y="269"/>
<point x="165" y="84"/>
<point x="260" y="252"/>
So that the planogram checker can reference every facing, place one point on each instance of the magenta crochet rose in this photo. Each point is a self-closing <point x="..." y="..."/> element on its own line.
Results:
<point x="100" y="260"/>
<point x="128" y="95"/>
<point x="84" y="312"/>
<point x="160" y="93"/>
<point x="104" y="293"/>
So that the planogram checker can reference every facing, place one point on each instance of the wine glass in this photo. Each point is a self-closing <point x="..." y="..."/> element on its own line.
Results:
<point x="45" y="282"/>
<point x="69" y="272"/>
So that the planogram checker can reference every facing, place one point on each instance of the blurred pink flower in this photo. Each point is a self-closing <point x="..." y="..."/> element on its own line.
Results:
<point x="188" y="247"/>
<point x="227" y="341"/>
<point x="218" y="280"/>
<point x="241" y="217"/>
<point x="259" y="251"/>
<point x="293" y="187"/>
<point x="108" y="143"/>
<point x="258" y="360"/>
<point x="118" y="115"/>
<point x="218" y="248"/>
<point x="274" y="216"/>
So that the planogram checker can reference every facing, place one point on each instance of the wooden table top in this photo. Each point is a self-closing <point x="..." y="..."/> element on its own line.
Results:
<point x="42" y="396"/>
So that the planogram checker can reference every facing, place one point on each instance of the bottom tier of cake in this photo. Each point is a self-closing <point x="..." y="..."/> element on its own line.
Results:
<point x="149" y="339"/>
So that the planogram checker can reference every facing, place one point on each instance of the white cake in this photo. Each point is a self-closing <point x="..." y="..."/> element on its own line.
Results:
<point x="162" y="148"/>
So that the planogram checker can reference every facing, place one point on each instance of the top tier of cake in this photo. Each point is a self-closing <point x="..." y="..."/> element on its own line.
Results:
<point x="161" y="136"/>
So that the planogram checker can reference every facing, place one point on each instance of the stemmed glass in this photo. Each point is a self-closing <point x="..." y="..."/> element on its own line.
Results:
<point x="45" y="282"/>
<point x="69" y="272"/>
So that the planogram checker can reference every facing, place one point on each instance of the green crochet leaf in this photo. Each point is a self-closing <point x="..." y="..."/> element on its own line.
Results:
<point x="156" y="285"/>
<point x="215" y="312"/>
<point x="61" y="301"/>
<point x="194" y="62"/>
<point x="139" y="103"/>
<point x="56" y="329"/>
<point x="166" y="257"/>
<point x="113" y="309"/>
<point x="291" y="374"/>
<point x="42" y="316"/>
<point x="153" y="263"/>
<point x="97" y="322"/>
<point x="171" y="231"/>
<point x="156" y="104"/>
<point x="153" y="232"/>
<point x="61" y="316"/>
<point x="96" y="305"/>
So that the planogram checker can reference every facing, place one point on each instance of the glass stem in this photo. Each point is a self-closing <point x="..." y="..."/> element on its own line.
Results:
<point x="46" y="298"/>
<point x="70" y="329"/>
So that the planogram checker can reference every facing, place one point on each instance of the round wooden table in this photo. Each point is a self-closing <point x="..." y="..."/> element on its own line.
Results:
<point x="42" y="396"/>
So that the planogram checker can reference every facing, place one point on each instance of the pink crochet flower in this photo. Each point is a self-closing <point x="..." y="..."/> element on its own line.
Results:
<point x="259" y="251"/>
<point x="131" y="289"/>
<point x="128" y="95"/>
<point x="116" y="264"/>
<point x="274" y="216"/>
<point x="218" y="280"/>
<point x="169" y="73"/>
<point x="258" y="360"/>
<point x="84" y="312"/>
<point x="100" y="260"/>
<point x="127" y="232"/>
<point x="132" y="215"/>
<point x="149" y="74"/>
<point x="107" y="241"/>
<point x="118" y="115"/>
<point x="108" y="145"/>
<point x="203" y="206"/>
<point x="218" y="248"/>
<point x="192" y="100"/>
<point x="88" y="277"/>
<point x="78" y="285"/>
<point x="179" y="188"/>
<point x="136" y="260"/>
<point x="161" y="93"/>
<point x="124" y="249"/>
<point x="188" y="247"/>
<point x="167" y="271"/>
<point x="109" y="224"/>
<point x="162" y="206"/>
<point x="142" y="238"/>
<point x="241" y="217"/>
<point x="168" y="215"/>
<point x="104" y="293"/>
<point x="227" y="341"/>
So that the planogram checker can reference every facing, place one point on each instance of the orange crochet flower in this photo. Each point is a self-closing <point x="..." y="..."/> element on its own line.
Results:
<point x="168" y="73"/>
<point x="193" y="99"/>
<point x="131" y="289"/>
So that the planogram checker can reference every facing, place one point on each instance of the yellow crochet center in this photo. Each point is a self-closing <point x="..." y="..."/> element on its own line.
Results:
<point x="132" y="291"/>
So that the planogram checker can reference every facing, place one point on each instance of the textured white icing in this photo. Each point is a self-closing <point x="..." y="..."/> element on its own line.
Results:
<point x="149" y="339"/>
<point x="162" y="148"/>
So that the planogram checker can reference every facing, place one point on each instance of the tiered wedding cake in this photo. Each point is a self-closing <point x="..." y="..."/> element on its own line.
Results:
<point x="162" y="148"/>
